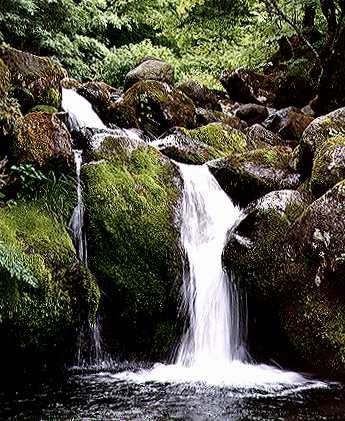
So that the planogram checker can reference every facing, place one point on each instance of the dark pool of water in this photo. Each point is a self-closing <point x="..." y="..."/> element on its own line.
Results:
<point x="102" y="395"/>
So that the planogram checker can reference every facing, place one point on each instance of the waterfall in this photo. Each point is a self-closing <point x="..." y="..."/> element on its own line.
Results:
<point x="216" y="322"/>
<point x="80" y="111"/>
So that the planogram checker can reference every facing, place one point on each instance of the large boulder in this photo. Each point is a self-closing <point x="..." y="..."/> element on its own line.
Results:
<point x="46" y="292"/>
<point x="250" y="175"/>
<point x="43" y="139"/>
<point x="36" y="80"/>
<point x="131" y="192"/>
<point x="316" y="134"/>
<point x="150" y="68"/>
<point x="311" y="282"/>
<point x="252" y="113"/>
<point x="159" y="107"/>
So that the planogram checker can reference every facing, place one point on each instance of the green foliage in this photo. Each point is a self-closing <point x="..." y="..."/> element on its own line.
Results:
<point x="56" y="190"/>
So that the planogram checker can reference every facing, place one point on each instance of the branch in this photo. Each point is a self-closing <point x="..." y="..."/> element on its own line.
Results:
<point x="280" y="12"/>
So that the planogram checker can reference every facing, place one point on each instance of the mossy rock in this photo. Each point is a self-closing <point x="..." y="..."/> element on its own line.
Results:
<point x="122" y="115"/>
<point x="257" y="137"/>
<point x="311" y="282"/>
<point x="315" y="135"/>
<point x="131" y="195"/>
<point x="250" y="175"/>
<point x="178" y="145"/>
<point x="329" y="166"/>
<point x="43" y="139"/>
<point x="159" y="107"/>
<point x="46" y="292"/>
<point x="252" y="250"/>
<point x="36" y="80"/>
<point x="97" y="93"/>
<point x="10" y="122"/>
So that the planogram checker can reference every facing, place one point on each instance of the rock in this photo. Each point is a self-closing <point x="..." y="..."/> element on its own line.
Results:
<point x="328" y="166"/>
<point x="311" y="282"/>
<point x="245" y="86"/>
<point x="250" y="175"/>
<point x="258" y="138"/>
<point x="37" y="80"/>
<point x="293" y="128"/>
<point x="121" y="114"/>
<point x="97" y="93"/>
<point x="179" y="146"/>
<point x="43" y="140"/>
<point x="131" y="196"/>
<point x="150" y="68"/>
<point x="46" y="292"/>
<point x="307" y="110"/>
<point x="201" y="95"/>
<point x="319" y="131"/>
<point x="205" y="116"/>
<point x="252" y="113"/>
<point x="10" y="120"/>
<point x="201" y="145"/>
<point x="277" y="119"/>
<point x="252" y="250"/>
<point x="70" y="83"/>
<point x="159" y="107"/>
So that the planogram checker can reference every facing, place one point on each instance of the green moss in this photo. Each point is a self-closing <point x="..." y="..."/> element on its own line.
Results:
<point x="5" y="78"/>
<point x="63" y="292"/>
<point x="220" y="136"/>
<point x="129" y="210"/>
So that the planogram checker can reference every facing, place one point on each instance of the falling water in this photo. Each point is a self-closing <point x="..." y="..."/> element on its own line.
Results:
<point x="215" y="333"/>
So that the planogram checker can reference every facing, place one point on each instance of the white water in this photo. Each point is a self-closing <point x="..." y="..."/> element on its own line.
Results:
<point x="80" y="111"/>
<point x="212" y="349"/>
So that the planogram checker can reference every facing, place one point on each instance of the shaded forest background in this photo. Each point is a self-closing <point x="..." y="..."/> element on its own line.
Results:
<point x="102" y="39"/>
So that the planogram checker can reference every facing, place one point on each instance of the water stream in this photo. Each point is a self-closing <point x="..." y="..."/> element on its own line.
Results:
<point x="212" y="377"/>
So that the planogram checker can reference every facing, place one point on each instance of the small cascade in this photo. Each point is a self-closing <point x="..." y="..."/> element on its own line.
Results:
<point x="80" y="111"/>
<point x="77" y="220"/>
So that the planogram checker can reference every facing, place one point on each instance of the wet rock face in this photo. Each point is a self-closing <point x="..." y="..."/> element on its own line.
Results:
<point x="248" y="176"/>
<point x="159" y="107"/>
<point x="150" y="68"/>
<point x="252" y="250"/>
<point x="43" y="139"/>
<point x="311" y="282"/>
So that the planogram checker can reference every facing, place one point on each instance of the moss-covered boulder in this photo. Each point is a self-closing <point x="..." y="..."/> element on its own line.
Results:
<point x="178" y="145"/>
<point x="131" y="192"/>
<point x="43" y="139"/>
<point x="150" y="68"/>
<point x="36" y="79"/>
<point x="311" y="282"/>
<point x="46" y="292"/>
<point x="159" y="107"/>
<point x="252" y="250"/>
<point x="316" y="134"/>
<point x="328" y="166"/>
<point x="10" y="123"/>
<point x="250" y="175"/>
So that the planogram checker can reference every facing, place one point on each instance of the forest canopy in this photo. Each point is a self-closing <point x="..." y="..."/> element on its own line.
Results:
<point x="102" y="39"/>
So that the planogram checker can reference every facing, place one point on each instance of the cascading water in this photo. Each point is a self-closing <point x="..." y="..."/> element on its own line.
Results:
<point x="215" y="334"/>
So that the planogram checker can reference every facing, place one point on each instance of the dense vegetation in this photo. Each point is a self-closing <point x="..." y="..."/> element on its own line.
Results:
<point x="102" y="39"/>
